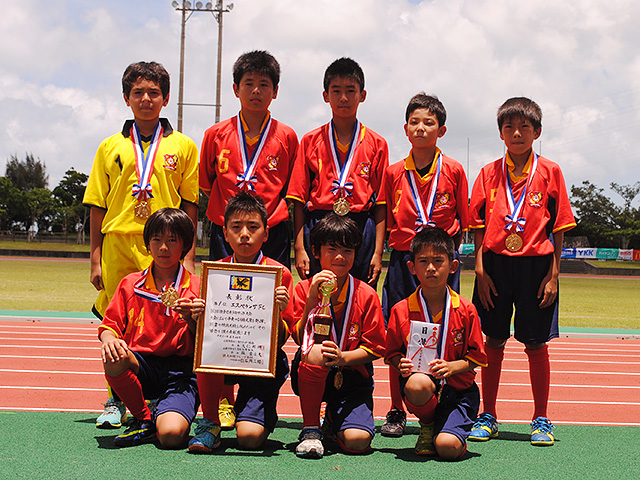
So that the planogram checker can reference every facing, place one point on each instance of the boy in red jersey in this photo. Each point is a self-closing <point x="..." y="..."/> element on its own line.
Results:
<point x="245" y="229"/>
<point x="145" y="167"/>
<point x="147" y="336"/>
<point x="444" y="395"/>
<point x="427" y="189"/>
<point x="338" y="369"/>
<point x="339" y="167"/>
<point x="520" y="211"/>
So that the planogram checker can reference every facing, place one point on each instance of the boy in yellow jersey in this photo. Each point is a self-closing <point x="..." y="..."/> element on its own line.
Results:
<point x="145" y="167"/>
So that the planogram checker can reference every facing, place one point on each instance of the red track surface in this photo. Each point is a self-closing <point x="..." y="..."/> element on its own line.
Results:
<point x="52" y="366"/>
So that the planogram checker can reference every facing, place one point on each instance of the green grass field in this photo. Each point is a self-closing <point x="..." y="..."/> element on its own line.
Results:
<point x="27" y="284"/>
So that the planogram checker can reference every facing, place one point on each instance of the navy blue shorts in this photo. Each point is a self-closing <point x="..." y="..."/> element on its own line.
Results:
<point x="457" y="411"/>
<point x="400" y="282"/>
<point x="277" y="246"/>
<point x="517" y="280"/>
<point x="172" y="381"/>
<point x="367" y="226"/>
<point x="257" y="396"/>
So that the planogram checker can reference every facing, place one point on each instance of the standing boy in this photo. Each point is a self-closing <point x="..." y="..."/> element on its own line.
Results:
<point x="148" y="334"/>
<point x="245" y="229"/>
<point x="339" y="369"/>
<point x="444" y="397"/>
<point x="339" y="167"/>
<point x="427" y="189"/>
<point x="145" y="167"/>
<point x="520" y="211"/>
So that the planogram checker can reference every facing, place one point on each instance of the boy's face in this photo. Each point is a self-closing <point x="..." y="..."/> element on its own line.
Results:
<point x="518" y="135"/>
<point x="145" y="100"/>
<point x="422" y="128"/>
<point x="166" y="250"/>
<point x="432" y="268"/>
<point x="246" y="233"/>
<point x="255" y="92"/>
<point x="336" y="258"/>
<point x="344" y="96"/>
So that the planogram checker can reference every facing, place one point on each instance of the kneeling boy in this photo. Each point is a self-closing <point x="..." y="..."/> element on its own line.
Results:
<point x="446" y="398"/>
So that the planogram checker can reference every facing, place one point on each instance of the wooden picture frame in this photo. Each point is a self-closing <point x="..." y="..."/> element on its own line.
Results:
<point x="238" y="333"/>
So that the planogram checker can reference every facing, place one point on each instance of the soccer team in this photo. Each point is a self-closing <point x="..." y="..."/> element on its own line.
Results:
<point x="143" y="192"/>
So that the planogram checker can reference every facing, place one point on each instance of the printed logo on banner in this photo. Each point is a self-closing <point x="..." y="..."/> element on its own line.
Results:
<point x="243" y="283"/>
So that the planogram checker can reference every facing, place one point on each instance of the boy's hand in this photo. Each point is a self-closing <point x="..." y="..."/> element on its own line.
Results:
<point x="332" y="354"/>
<point x="189" y="308"/>
<point x="405" y="366"/>
<point x="302" y="263"/>
<point x="375" y="267"/>
<point x="96" y="276"/>
<point x="486" y="289"/>
<point x="113" y="349"/>
<point x="282" y="297"/>
<point x="548" y="291"/>
<point x="319" y="279"/>
<point x="440" y="368"/>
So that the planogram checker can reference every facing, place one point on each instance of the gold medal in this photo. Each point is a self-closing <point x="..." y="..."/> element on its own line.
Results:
<point x="341" y="207"/>
<point x="338" y="379"/>
<point x="513" y="242"/>
<point x="142" y="210"/>
<point x="169" y="297"/>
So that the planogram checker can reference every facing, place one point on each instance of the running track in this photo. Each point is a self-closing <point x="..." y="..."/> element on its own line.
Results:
<point x="55" y="366"/>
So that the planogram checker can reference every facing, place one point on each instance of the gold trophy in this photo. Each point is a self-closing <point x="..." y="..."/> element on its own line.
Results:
<point x="322" y="321"/>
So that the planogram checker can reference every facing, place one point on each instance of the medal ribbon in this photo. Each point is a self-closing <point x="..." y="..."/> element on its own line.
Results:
<point x="139" y="289"/>
<point x="259" y="260"/>
<point x="513" y="219"/>
<point x="424" y="214"/>
<point x="341" y="187"/>
<point x="144" y="164"/>
<point x="247" y="180"/>
<point x="444" y="323"/>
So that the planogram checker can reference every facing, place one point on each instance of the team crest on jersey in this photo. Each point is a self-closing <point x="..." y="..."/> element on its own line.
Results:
<point x="243" y="283"/>
<point x="170" y="162"/>
<point x="353" y="331"/>
<point x="535" y="199"/>
<point x="364" y="169"/>
<point x="272" y="162"/>
<point x="442" y="199"/>
<point x="458" y="336"/>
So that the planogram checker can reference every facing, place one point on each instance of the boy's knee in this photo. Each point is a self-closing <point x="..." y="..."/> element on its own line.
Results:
<point x="251" y="436"/>
<point x="354" y="440"/>
<point x="419" y="389"/>
<point x="449" y="447"/>
<point x="173" y="430"/>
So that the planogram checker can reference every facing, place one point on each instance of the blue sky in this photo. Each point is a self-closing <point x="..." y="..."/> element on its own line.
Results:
<point x="62" y="60"/>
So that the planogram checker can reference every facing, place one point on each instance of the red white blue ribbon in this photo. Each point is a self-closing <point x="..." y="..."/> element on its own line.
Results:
<point x="424" y="214"/>
<point x="258" y="260"/>
<point x="247" y="180"/>
<point x="341" y="187"/>
<point x="139" y="289"/>
<point x="514" y="221"/>
<point x="144" y="164"/>
<point x="444" y="322"/>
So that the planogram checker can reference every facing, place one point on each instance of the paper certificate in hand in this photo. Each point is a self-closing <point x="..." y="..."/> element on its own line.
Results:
<point x="423" y="345"/>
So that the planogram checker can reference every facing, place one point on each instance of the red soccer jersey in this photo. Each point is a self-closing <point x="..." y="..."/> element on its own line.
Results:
<point x="546" y="208"/>
<point x="450" y="209"/>
<point x="314" y="170"/>
<point x="143" y="323"/>
<point x="221" y="163"/>
<point x="287" y="281"/>
<point x="365" y="325"/>
<point x="464" y="336"/>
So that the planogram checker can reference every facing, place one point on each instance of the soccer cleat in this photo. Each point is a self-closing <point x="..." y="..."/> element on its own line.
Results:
<point x="541" y="434"/>
<point x="113" y="416"/>
<point x="486" y="427"/>
<point x="139" y="432"/>
<point x="424" y="444"/>
<point x="227" y="415"/>
<point x="206" y="437"/>
<point x="394" y="424"/>
<point x="310" y="445"/>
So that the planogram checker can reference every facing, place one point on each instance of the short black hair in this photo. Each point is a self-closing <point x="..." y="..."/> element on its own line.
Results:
<point x="152" y="71"/>
<point x="431" y="103"/>
<point x="435" y="238"/>
<point x="244" y="202"/>
<point x="257" y="61"/>
<point x="343" y="67"/>
<point x="520" y="107"/>
<point x="337" y="231"/>
<point x="174" y="221"/>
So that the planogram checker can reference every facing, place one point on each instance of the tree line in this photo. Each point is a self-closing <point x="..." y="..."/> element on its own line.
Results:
<point x="27" y="203"/>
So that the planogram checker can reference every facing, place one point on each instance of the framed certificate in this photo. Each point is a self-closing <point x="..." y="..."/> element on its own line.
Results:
<point x="238" y="333"/>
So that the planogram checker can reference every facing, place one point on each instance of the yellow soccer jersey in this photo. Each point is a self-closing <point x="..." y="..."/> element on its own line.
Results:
<point x="174" y="178"/>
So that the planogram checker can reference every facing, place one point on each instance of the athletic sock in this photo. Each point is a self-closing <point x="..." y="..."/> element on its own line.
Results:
<point x="426" y="412"/>
<point x="227" y="392"/>
<point x="394" y="388"/>
<point x="540" y="375"/>
<point x="491" y="379"/>
<point x="129" y="390"/>
<point x="210" y="387"/>
<point x="311" y="383"/>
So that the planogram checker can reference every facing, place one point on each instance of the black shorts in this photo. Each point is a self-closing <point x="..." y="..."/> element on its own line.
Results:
<point x="517" y="281"/>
